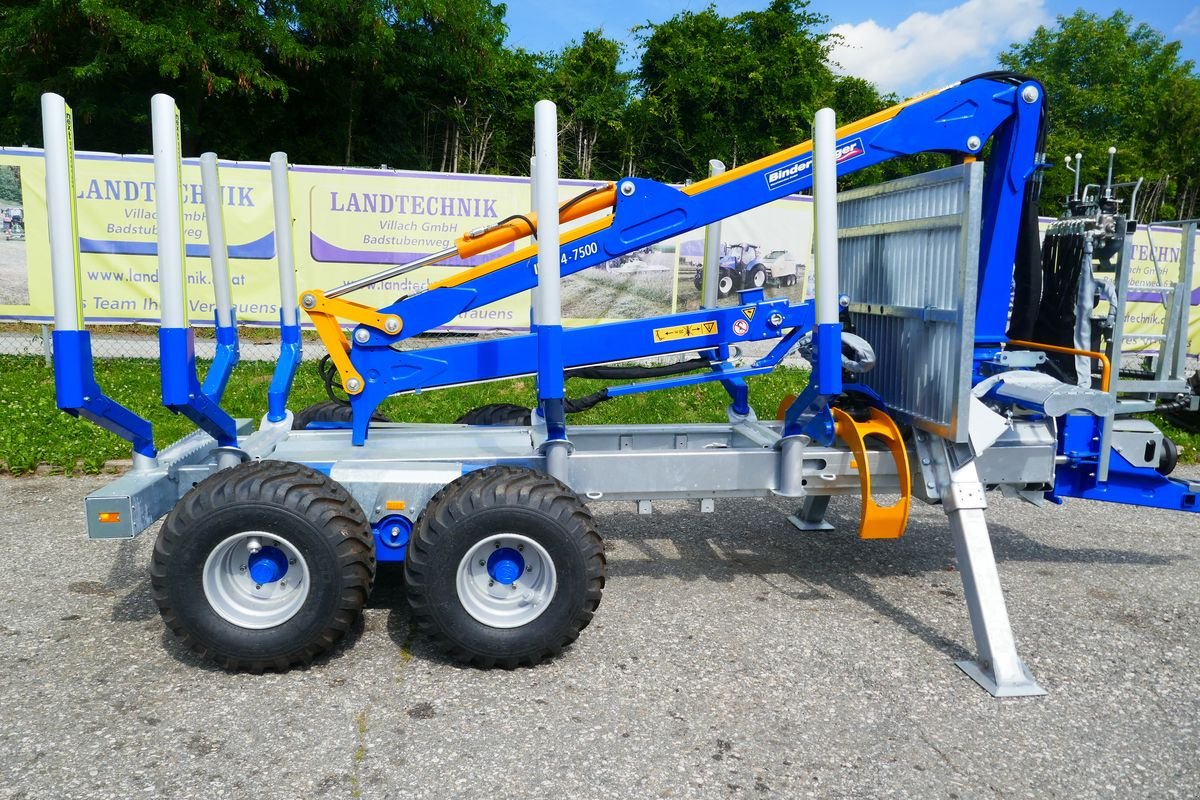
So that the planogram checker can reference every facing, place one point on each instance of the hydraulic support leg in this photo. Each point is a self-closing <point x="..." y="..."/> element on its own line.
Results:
<point x="811" y="514"/>
<point x="996" y="667"/>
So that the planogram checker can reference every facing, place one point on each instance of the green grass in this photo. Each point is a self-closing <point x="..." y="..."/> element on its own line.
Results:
<point x="1188" y="443"/>
<point x="33" y="432"/>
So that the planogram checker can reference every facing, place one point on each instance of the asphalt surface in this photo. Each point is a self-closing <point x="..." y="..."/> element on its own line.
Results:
<point x="732" y="656"/>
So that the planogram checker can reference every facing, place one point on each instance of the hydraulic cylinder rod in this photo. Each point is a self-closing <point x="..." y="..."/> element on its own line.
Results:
<point x="391" y="272"/>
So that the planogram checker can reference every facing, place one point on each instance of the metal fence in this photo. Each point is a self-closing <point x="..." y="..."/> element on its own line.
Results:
<point x="138" y="341"/>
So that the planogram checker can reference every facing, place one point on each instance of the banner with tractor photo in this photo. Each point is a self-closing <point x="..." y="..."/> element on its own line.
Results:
<point x="350" y="223"/>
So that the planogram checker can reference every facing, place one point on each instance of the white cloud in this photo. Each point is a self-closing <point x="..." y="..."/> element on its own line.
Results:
<point x="1190" y="23"/>
<point x="925" y="45"/>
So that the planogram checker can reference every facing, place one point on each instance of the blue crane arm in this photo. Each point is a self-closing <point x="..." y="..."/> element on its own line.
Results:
<point x="958" y="119"/>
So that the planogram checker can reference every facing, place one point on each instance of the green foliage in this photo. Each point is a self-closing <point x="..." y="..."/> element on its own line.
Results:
<point x="1114" y="82"/>
<point x="734" y="88"/>
<point x="592" y="95"/>
<point x="431" y="84"/>
<point x="108" y="56"/>
<point x="10" y="185"/>
<point x="421" y="84"/>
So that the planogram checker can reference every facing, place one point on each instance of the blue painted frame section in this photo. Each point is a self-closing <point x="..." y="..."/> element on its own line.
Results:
<point x="181" y="389"/>
<point x="388" y="371"/>
<point x="290" y="355"/>
<point x="809" y="413"/>
<point x="228" y="353"/>
<point x="77" y="393"/>
<point x="1079" y="440"/>
<point x="392" y="533"/>
<point x="551" y="383"/>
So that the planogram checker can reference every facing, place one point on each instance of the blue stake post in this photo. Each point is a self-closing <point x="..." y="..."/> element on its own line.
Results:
<point x="289" y="315"/>
<point x="548" y="298"/>
<point x="810" y="414"/>
<point x="228" y="352"/>
<point x="181" y="389"/>
<point x="75" y="386"/>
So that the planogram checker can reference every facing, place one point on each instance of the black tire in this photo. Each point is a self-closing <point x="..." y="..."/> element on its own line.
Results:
<point x="756" y="278"/>
<point x="329" y="411"/>
<point x="698" y="280"/>
<point x="727" y="283"/>
<point x="496" y="414"/>
<point x="1169" y="458"/>
<point x="285" y="501"/>
<point x="478" y="505"/>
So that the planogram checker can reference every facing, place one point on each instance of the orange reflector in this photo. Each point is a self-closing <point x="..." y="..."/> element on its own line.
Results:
<point x="395" y="505"/>
<point x="109" y="516"/>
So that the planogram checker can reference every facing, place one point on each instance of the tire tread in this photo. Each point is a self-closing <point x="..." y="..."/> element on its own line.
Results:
<point x="302" y="490"/>
<point x="505" y="486"/>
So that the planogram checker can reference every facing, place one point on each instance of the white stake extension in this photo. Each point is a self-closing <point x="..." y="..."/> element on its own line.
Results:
<point x="825" y="211"/>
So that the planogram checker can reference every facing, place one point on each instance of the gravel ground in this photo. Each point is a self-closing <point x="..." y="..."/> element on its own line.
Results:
<point x="732" y="657"/>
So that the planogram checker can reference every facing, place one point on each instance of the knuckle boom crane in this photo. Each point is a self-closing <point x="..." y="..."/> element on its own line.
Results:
<point x="925" y="383"/>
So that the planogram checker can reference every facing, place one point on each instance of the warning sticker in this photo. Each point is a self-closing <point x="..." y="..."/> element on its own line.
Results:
<point x="707" y="328"/>
<point x="741" y="327"/>
<point x="749" y="312"/>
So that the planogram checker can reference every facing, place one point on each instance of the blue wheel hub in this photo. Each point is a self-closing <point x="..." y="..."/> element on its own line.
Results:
<point x="268" y="565"/>
<point x="505" y="565"/>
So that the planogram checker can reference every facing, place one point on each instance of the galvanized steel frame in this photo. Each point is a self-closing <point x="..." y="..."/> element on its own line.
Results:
<point x="899" y="292"/>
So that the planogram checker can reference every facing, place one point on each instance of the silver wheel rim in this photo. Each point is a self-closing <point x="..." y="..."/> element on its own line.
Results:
<point x="760" y="279"/>
<point x="484" y="592"/>
<point x="238" y="597"/>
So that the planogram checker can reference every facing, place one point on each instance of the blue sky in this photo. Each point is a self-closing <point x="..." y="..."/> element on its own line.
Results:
<point x="905" y="47"/>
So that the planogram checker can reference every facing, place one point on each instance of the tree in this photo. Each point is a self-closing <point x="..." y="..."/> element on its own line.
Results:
<point x="1111" y="82"/>
<point x="349" y="41"/>
<point x="10" y="185"/>
<point x="592" y="93"/>
<point x="452" y="54"/>
<point x="733" y="88"/>
<point x="108" y="56"/>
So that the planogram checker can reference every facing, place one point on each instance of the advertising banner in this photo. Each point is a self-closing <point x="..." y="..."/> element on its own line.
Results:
<point x="349" y="223"/>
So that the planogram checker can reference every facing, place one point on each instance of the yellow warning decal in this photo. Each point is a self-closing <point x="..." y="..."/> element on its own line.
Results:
<point x="748" y="312"/>
<point x="707" y="328"/>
